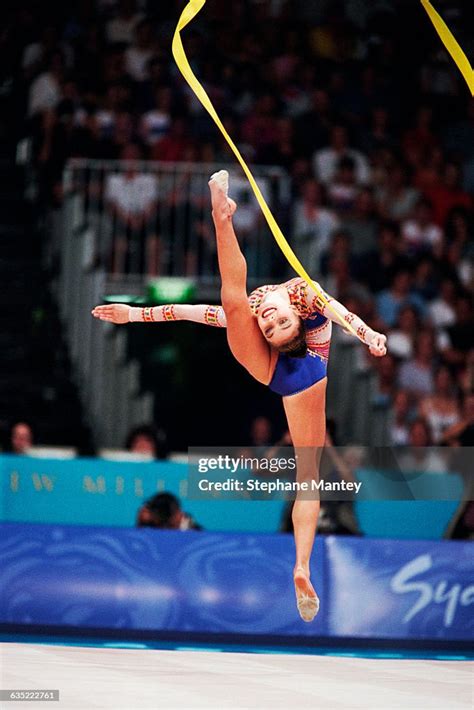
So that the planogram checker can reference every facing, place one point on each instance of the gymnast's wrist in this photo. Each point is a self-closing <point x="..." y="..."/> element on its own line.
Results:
<point x="135" y="315"/>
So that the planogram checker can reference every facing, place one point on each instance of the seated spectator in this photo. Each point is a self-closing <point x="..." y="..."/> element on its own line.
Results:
<point x="259" y="130"/>
<point x="441" y="310"/>
<point x="46" y="90"/>
<point x="313" y="226"/>
<point x="342" y="190"/>
<point x="397" y="198"/>
<point x="379" y="134"/>
<point x="420" y="139"/>
<point x="399" y="294"/>
<point x="361" y="224"/>
<point x="175" y="145"/>
<point x="260" y="432"/>
<point x="326" y="160"/>
<point x="20" y="439"/>
<point x="148" y="440"/>
<point x="447" y="195"/>
<point x="425" y="279"/>
<point x="461" y="333"/>
<point x="398" y="427"/>
<point x="420" y="233"/>
<point x="462" y="433"/>
<point x="387" y="375"/>
<point x="121" y="28"/>
<point x="155" y="123"/>
<point x="312" y="128"/>
<point x="131" y="198"/>
<point x="416" y="375"/>
<point x="441" y="409"/>
<point x="379" y="268"/>
<point x="138" y="55"/>
<point x="401" y="339"/>
<point x="282" y="151"/>
<point x="163" y="511"/>
<point x="421" y="456"/>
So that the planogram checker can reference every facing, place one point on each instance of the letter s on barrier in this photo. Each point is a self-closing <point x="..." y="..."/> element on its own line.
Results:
<point x="400" y="584"/>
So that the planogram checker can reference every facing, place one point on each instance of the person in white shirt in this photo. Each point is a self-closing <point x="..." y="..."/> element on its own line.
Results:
<point x="122" y="27"/>
<point x="138" y="55"/>
<point x="421" y="234"/>
<point x="326" y="160"/>
<point x="131" y="198"/>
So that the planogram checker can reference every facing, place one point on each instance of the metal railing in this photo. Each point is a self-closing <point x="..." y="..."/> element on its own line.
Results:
<point x="154" y="218"/>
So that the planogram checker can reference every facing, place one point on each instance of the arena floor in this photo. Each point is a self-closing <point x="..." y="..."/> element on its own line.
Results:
<point x="131" y="679"/>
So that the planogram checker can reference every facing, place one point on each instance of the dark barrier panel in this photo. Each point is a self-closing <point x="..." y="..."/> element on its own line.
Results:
<point x="232" y="584"/>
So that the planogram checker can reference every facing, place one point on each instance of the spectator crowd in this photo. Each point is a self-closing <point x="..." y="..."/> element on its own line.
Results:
<point x="357" y="102"/>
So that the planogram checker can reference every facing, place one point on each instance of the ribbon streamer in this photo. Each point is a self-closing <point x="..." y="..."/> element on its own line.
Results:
<point x="189" y="13"/>
<point x="451" y="44"/>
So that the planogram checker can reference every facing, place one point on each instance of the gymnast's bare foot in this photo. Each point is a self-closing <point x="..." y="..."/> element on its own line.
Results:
<point x="307" y="600"/>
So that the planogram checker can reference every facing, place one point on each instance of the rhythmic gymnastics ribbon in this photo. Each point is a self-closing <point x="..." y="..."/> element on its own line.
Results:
<point x="451" y="44"/>
<point x="189" y="13"/>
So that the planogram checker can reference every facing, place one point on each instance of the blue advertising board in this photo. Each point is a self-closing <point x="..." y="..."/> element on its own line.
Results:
<point x="97" y="492"/>
<point x="155" y="580"/>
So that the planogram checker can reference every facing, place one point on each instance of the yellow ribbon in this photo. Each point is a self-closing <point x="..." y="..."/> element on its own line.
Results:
<point x="188" y="14"/>
<point x="451" y="44"/>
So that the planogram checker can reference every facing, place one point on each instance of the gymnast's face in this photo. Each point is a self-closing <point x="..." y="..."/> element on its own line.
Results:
<point x="278" y="320"/>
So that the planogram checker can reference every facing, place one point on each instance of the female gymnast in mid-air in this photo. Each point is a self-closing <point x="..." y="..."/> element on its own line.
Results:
<point x="281" y="335"/>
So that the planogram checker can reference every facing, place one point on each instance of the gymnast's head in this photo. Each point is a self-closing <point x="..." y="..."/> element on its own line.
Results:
<point x="281" y="325"/>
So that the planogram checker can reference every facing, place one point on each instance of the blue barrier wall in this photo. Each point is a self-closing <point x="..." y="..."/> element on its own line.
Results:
<point x="98" y="492"/>
<point x="232" y="584"/>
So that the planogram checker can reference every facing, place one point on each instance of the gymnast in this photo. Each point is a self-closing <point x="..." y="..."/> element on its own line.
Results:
<point x="281" y="335"/>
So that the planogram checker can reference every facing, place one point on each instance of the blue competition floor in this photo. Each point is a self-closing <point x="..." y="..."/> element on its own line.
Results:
<point x="345" y="652"/>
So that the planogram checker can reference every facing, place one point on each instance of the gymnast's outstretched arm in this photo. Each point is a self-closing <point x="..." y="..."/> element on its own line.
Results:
<point x="119" y="313"/>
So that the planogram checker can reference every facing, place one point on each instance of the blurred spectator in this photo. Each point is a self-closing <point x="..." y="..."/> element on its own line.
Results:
<point x="155" y="124"/>
<point x="421" y="456"/>
<point x="132" y="197"/>
<point x="447" y="195"/>
<point x="416" y="375"/>
<point x="380" y="267"/>
<point x="342" y="190"/>
<point x="421" y="138"/>
<point x="399" y="294"/>
<point x="313" y="226"/>
<point x="148" y="440"/>
<point x="260" y="432"/>
<point x="138" y="55"/>
<point x="461" y="333"/>
<point x="121" y="28"/>
<point x="326" y="160"/>
<point x="462" y="433"/>
<point x="163" y="511"/>
<point x="401" y="339"/>
<point x="441" y="310"/>
<point x="441" y="409"/>
<point x="398" y="428"/>
<point x="361" y="224"/>
<point x="387" y="375"/>
<point x="397" y="198"/>
<point x="45" y="91"/>
<point x="421" y="234"/>
<point x="20" y="438"/>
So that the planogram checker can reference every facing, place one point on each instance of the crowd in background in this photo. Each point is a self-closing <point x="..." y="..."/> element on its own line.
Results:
<point x="356" y="101"/>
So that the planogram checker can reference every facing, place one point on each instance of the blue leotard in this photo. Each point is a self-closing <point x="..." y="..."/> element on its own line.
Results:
<point x="292" y="374"/>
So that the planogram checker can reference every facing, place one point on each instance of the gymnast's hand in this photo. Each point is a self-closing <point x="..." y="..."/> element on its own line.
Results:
<point x="117" y="313"/>
<point x="377" y="345"/>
